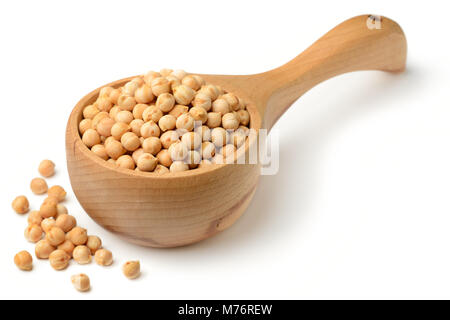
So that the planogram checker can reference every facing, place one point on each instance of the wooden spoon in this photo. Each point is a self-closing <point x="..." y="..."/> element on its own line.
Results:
<point x="177" y="209"/>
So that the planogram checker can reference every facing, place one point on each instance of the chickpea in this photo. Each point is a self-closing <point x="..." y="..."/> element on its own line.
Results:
<point x="160" y="169"/>
<point x="138" y="110"/>
<point x="33" y="233"/>
<point x="165" y="72"/>
<point x="193" y="159"/>
<point x="126" y="102"/>
<point x="131" y="269"/>
<point x="90" y="111"/>
<point x="230" y="121"/>
<point x="82" y="254"/>
<point x="192" y="140"/>
<point x="60" y="210"/>
<point x="221" y="105"/>
<point x="173" y="82"/>
<point x="59" y="259"/>
<point x="185" y="121"/>
<point x="144" y="94"/>
<point x="99" y="117"/>
<point x="104" y="104"/>
<point x="232" y="99"/>
<point x="228" y="151"/>
<point x="48" y="208"/>
<point x="55" y="236"/>
<point x="100" y="151"/>
<point x="43" y="249"/>
<point x="168" y="138"/>
<point x="78" y="236"/>
<point x="130" y="141"/>
<point x="94" y="243"/>
<point x="178" y="151"/>
<point x="23" y="261"/>
<point x="204" y="163"/>
<point x="136" y="153"/>
<point x="214" y="119"/>
<point x="165" y="102"/>
<point x="244" y="130"/>
<point x="124" y="116"/>
<point x="160" y="85"/>
<point x="84" y="125"/>
<point x="150" y="76"/>
<point x="237" y="138"/>
<point x="119" y="129"/>
<point x="126" y="162"/>
<point x="150" y="129"/>
<point x="244" y="117"/>
<point x="111" y="161"/>
<point x="114" y="111"/>
<point x="204" y="132"/>
<point x="105" y="91"/>
<point x="147" y="162"/>
<point x="199" y="114"/>
<point x="152" y="145"/>
<point x="34" y="218"/>
<point x="208" y="150"/>
<point x="178" y="166"/>
<point x="57" y="192"/>
<point x="178" y="110"/>
<point x="219" y="137"/>
<point x="180" y="74"/>
<point x="152" y="113"/>
<point x="81" y="282"/>
<point x="130" y="88"/>
<point x="103" y="257"/>
<point x="210" y="90"/>
<point x="191" y="82"/>
<point x="183" y="94"/>
<point x="139" y="80"/>
<point x="202" y="100"/>
<point x="21" y="205"/>
<point x="38" y="186"/>
<point x="167" y="122"/>
<point x="91" y="138"/>
<point x="136" y="126"/>
<point x="114" y="149"/>
<point x="114" y="95"/>
<point x="67" y="246"/>
<point x="66" y="222"/>
<point x="47" y="224"/>
<point x="46" y="168"/>
<point x="164" y="158"/>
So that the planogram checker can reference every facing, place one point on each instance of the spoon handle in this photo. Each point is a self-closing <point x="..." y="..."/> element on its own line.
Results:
<point x="361" y="43"/>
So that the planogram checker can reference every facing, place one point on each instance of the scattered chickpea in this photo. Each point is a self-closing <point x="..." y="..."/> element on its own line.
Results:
<point x="94" y="243"/>
<point x="47" y="224"/>
<point x="55" y="236"/>
<point x="67" y="246"/>
<point x="57" y="192"/>
<point x="103" y="257"/>
<point x="91" y="138"/>
<point x="34" y="218"/>
<point x="59" y="259"/>
<point x="33" y="233"/>
<point x="183" y="94"/>
<point x="164" y="158"/>
<point x="82" y="255"/>
<point x="165" y="102"/>
<point x="81" y="282"/>
<point x="60" y="210"/>
<point x="66" y="222"/>
<point x="178" y="166"/>
<point x="48" y="208"/>
<point x="46" y="168"/>
<point x="43" y="249"/>
<point x="147" y="162"/>
<point x="78" y="236"/>
<point x="125" y="162"/>
<point x="20" y="205"/>
<point x="131" y="269"/>
<point x="24" y="261"/>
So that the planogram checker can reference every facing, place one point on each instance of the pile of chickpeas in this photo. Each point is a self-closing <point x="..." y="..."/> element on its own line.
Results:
<point x="57" y="236"/>
<point x="167" y="121"/>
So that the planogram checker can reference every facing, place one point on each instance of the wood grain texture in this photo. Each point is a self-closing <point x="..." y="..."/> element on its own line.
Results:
<point x="177" y="209"/>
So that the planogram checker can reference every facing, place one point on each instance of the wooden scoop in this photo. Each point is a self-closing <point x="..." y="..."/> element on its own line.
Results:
<point x="177" y="209"/>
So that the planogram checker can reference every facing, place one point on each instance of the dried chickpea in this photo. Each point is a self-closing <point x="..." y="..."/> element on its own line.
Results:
<point x="114" y="111"/>
<point x="47" y="224"/>
<point x="178" y="151"/>
<point x="55" y="236"/>
<point x="208" y="150"/>
<point x="183" y="94"/>
<point x="94" y="243"/>
<point x="34" y="218"/>
<point x="210" y="90"/>
<point x="152" y="145"/>
<point x="114" y="95"/>
<point x="60" y="210"/>
<point x="168" y="138"/>
<point x="103" y="257"/>
<point x="193" y="159"/>
<point x="23" y="261"/>
<point x="192" y="140"/>
<point x="138" y="110"/>
<point x="104" y="104"/>
<point x="111" y="161"/>
<point x="173" y="82"/>
<point x="43" y="249"/>
<point x="152" y="113"/>
<point x="214" y="119"/>
<point x="114" y="149"/>
<point x="228" y="151"/>
<point x="204" y="132"/>
<point x="232" y="99"/>
<point x="33" y="233"/>
<point x="82" y="255"/>
<point x="38" y="186"/>
<point x="147" y="162"/>
<point x="130" y="88"/>
<point x="202" y="100"/>
<point x="119" y="129"/>
<point x="136" y="126"/>
<point x="126" y="102"/>
<point x="59" y="259"/>
<point x="99" y="117"/>
<point x="180" y="74"/>
<point x="48" y="208"/>
<point x="90" y="112"/>
<point x="199" y="114"/>
<point x="130" y="141"/>
<point x="191" y="82"/>
<point x="100" y="151"/>
<point x="150" y="129"/>
<point x="219" y="137"/>
<point x="136" y="154"/>
<point x="91" y="138"/>
<point x="105" y="91"/>
<point x="204" y="163"/>
<point x="77" y="235"/>
<point x="150" y="76"/>
<point x="66" y="222"/>
<point x="164" y="158"/>
<point x="125" y="162"/>
<point x="160" y="169"/>
<point x="165" y="72"/>
<point x="46" y="168"/>
<point x="67" y="246"/>
<point x="167" y="122"/>
<point x="178" y="110"/>
<point x="57" y="192"/>
<point x="244" y="130"/>
<point x="165" y="102"/>
<point x="160" y="85"/>
<point x="230" y="121"/>
<point x="178" y="166"/>
<point x="144" y="94"/>
<point x="237" y="138"/>
<point x="84" y="125"/>
<point x="131" y="269"/>
<point x="139" y="80"/>
<point x="81" y="282"/>
<point x="244" y="117"/>
<point x="221" y="105"/>
<point x="185" y="121"/>
<point x="124" y="116"/>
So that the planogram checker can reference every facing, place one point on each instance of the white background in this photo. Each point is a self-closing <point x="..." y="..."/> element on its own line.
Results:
<point x="360" y="207"/>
